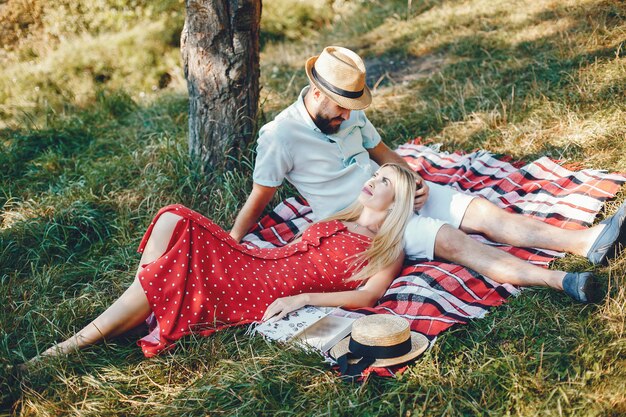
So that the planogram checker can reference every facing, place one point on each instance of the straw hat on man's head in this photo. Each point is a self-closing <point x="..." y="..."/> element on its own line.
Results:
<point x="340" y="74"/>
<point x="378" y="340"/>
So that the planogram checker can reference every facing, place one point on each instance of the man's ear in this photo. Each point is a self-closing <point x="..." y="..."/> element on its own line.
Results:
<point x="317" y="93"/>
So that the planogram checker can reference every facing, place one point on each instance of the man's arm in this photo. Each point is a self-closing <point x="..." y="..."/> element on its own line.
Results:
<point x="259" y="198"/>
<point x="381" y="154"/>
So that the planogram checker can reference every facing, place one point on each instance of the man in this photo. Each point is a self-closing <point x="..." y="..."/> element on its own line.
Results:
<point x="327" y="148"/>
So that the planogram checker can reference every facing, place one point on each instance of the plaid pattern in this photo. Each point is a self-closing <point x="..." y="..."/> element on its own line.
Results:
<point x="434" y="296"/>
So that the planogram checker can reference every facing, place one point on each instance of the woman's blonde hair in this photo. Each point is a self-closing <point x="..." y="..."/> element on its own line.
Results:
<point x="387" y="245"/>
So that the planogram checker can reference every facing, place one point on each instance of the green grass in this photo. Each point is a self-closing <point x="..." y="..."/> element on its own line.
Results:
<point x="90" y="156"/>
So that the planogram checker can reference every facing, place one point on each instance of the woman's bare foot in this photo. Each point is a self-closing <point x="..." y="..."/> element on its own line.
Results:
<point x="52" y="352"/>
<point x="60" y="349"/>
<point x="29" y="365"/>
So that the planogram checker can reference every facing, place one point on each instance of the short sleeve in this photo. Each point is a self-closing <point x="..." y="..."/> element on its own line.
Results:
<point x="371" y="137"/>
<point x="273" y="159"/>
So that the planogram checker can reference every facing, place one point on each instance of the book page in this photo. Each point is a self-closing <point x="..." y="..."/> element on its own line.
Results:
<point x="290" y="325"/>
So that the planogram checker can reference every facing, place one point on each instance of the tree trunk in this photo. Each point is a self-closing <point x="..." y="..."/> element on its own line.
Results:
<point x="220" y="51"/>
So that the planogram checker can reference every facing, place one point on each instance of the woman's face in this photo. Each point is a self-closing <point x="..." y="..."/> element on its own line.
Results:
<point x="378" y="192"/>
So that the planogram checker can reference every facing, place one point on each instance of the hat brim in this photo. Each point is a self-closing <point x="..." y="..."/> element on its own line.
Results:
<point x="360" y="103"/>
<point x="419" y="343"/>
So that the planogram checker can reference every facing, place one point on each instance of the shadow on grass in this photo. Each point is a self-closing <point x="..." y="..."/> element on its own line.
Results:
<point x="76" y="197"/>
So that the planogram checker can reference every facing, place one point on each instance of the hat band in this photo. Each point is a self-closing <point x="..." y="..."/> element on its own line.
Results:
<point x="379" y="352"/>
<point x="332" y="88"/>
<point x="368" y="355"/>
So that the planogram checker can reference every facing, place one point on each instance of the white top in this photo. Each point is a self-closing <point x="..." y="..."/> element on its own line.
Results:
<point x="328" y="170"/>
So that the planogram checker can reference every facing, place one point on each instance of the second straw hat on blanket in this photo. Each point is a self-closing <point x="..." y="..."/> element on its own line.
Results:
<point x="384" y="338"/>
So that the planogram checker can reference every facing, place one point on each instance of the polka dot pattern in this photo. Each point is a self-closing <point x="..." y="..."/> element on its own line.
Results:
<point x="206" y="281"/>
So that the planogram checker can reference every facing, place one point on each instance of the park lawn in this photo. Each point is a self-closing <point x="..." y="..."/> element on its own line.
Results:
<point x="93" y="142"/>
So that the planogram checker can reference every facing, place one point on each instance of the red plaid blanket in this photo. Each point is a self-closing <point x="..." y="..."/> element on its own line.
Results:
<point x="434" y="296"/>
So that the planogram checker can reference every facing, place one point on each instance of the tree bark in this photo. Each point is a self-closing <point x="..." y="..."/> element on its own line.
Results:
<point x="220" y="51"/>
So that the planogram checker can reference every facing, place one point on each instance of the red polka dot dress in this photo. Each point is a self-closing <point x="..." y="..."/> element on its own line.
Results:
<point x="206" y="281"/>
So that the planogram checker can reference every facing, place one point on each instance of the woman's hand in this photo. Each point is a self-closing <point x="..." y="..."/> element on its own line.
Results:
<point x="284" y="305"/>
<point x="421" y="193"/>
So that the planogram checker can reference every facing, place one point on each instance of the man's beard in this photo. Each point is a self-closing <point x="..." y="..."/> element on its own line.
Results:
<point x="324" y="124"/>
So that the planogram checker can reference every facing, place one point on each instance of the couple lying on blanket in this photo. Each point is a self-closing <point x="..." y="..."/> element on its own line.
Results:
<point x="196" y="278"/>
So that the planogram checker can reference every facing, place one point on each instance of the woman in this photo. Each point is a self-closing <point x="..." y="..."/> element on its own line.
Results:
<point x="195" y="278"/>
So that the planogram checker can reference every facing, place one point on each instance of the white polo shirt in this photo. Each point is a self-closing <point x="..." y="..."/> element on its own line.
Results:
<point x="328" y="170"/>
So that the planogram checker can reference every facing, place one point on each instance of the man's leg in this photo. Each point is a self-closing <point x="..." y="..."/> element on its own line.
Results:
<point x="484" y="217"/>
<point x="454" y="245"/>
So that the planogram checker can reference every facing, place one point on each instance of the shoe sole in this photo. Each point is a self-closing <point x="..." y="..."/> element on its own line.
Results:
<point x="617" y="247"/>
<point x="614" y="251"/>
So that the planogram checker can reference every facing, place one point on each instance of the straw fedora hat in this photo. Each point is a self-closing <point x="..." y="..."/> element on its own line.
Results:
<point x="340" y="74"/>
<point x="378" y="340"/>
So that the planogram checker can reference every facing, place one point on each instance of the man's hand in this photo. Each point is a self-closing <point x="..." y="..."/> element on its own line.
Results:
<point x="421" y="194"/>
<point x="283" y="306"/>
<point x="381" y="154"/>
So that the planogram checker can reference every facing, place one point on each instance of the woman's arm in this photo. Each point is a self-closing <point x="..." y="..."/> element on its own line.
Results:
<point x="366" y="296"/>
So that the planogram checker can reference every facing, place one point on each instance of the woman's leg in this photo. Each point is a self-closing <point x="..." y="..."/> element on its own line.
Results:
<point x="132" y="308"/>
<point x="124" y="314"/>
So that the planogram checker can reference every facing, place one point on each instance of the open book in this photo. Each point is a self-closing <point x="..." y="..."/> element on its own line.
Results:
<point x="317" y="327"/>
